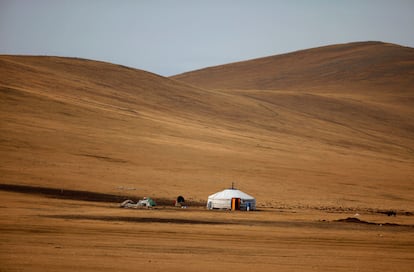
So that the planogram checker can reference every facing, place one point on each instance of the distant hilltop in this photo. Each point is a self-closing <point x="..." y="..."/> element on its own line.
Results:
<point x="343" y="66"/>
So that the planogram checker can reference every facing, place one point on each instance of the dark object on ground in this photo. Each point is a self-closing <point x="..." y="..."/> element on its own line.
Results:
<point x="354" y="220"/>
<point x="358" y="221"/>
<point x="391" y="213"/>
<point x="180" y="200"/>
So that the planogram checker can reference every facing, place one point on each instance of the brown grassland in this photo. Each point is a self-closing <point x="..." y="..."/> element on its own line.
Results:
<point x="323" y="138"/>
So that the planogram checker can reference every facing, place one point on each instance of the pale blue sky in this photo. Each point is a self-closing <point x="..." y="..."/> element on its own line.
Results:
<point x="173" y="36"/>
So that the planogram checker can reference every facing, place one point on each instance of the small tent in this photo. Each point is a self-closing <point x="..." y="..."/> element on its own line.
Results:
<point x="231" y="199"/>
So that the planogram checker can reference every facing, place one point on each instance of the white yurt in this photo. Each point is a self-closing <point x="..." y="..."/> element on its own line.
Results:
<point x="231" y="199"/>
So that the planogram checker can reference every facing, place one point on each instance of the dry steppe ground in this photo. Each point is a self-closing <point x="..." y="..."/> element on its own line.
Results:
<point x="48" y="234"/>
<point x="316" y="136"/>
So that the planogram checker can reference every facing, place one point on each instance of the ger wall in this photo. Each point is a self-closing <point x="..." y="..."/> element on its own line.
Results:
<point x="226" y="204"/>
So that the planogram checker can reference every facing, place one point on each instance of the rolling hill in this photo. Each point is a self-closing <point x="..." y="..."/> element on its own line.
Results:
<point x="342" y="67"/>
<point x="324" y="127"/>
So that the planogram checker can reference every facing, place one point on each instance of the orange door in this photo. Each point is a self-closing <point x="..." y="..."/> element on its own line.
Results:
<point x="235" y="204"/>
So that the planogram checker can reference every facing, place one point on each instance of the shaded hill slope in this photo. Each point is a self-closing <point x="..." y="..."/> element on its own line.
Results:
<point x="93" y="126"/>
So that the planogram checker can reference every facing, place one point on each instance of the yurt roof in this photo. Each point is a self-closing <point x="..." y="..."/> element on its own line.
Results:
<point x="229" y="194"/>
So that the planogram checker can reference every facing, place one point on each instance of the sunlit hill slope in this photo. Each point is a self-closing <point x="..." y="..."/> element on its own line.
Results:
<point x="324" y="127"/>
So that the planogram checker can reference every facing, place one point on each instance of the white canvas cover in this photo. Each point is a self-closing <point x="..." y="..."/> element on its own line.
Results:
<point x="222" y="200"/>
